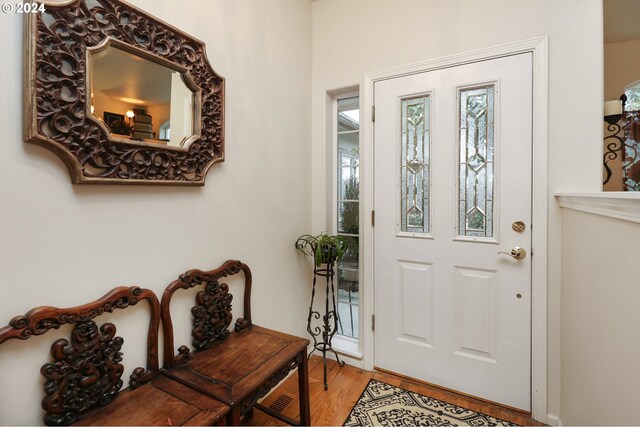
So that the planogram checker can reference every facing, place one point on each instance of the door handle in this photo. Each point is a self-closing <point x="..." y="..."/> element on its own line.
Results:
<point x="516" y="253"/>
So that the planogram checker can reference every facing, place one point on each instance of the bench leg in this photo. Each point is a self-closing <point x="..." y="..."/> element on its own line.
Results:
<point x="249" y="414"/>
<point x="233" y="417"/>
<point x="303" y="391"/>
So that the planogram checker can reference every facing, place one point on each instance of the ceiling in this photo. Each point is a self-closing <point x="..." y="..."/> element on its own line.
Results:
<point x="621" y="20"/>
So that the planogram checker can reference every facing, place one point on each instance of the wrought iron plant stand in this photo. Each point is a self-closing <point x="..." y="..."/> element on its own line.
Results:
<point x="623" y="141"/>
<point x="322" y="336"/>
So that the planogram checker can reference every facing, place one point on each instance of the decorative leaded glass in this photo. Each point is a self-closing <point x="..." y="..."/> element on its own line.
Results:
<point x="476" y="171"/>
<point x="415" y="168"/>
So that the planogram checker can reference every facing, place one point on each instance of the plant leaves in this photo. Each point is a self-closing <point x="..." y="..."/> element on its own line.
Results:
<point x="324" y="248"/>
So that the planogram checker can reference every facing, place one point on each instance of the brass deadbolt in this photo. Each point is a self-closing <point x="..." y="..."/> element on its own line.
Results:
<point x="518" y="226"/>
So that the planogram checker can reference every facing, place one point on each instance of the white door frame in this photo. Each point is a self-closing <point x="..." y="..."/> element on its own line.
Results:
<point x="538" y="47"/>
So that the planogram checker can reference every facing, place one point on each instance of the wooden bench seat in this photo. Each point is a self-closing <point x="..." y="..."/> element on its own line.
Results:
<point x="237" y="368"/>
<point x="241" y="364"/>
<point x="161" y="402"/>
<point x="83" y="380"/>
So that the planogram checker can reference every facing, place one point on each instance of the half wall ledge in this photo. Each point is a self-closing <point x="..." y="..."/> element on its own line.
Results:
<point x="623" y="205"/>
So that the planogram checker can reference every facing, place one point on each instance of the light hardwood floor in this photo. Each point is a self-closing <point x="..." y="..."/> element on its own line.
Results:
<point x="346" y="384"/>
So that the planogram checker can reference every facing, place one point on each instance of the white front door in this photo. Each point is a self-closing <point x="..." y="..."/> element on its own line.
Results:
<point x="452" y="189"/>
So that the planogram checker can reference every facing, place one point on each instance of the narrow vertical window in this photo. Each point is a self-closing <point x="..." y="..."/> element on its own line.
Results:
<point x="476" y="171"/>
<point x="348" y="209"/>
<point x="414" y="197"/>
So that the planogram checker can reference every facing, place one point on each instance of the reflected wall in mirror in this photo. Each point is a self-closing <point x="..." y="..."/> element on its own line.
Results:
<point x="146" y="101"/>
<point x="621" y="158"/>
<point x="120" y="96"/>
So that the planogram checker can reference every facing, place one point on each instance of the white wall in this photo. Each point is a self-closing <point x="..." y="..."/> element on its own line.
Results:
<point x="64" y="245"/>
<point x="600" y="320"/>
<point x="356" y="36"/>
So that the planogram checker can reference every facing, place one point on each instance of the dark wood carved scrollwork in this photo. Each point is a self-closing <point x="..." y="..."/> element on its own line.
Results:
<point x="212" y="312"/>
<point x="86" y="369"/>
<point x="184" y="354"/>
<point x="40" y="320"/>
<point x="56" y="94"/>
<point x="194" y="278"/>
<point x="86" y="372"/>
<point x="140" y="376"/>
<point x="273" y="381"/>
<point x="212" y="315"/>
<point x="241" y="324"/>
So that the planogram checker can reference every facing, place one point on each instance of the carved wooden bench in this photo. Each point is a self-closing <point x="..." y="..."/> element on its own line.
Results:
<point x="82" y="383"/>
<point x="237" y="368"/>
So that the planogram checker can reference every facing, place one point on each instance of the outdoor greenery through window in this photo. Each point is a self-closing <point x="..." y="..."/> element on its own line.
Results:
<point x="348" y="192"/>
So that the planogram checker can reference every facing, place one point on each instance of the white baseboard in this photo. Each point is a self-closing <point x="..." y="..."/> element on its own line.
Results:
<point x="349" y="360"/>
<point x="554" y="420"/>
<point x="346" y="359"/>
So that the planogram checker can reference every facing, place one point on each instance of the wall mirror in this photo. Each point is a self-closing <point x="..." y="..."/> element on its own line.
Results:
<point x="120" y="96"/>
<point x="149" y="103"/>
<point x="621" y="159"/>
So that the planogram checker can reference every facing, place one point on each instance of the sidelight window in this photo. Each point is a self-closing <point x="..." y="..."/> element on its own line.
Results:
<point x="347" y="215"/>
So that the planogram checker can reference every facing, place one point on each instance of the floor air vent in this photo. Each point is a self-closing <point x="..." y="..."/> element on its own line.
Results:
<point x="280" y="403"/>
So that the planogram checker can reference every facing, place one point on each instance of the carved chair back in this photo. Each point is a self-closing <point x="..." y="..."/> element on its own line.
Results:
<point x="86" y="371"/>
<point x="212" y="312"/>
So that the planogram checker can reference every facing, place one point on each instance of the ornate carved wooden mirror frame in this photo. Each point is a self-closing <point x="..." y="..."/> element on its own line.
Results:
<point x="57" y="103"/>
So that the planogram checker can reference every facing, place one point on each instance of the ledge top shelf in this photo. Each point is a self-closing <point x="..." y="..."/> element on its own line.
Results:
<point x="623" y="205"/>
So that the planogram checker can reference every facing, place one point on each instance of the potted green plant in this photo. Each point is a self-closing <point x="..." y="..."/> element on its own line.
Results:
<point x="323" y="248"/>
<point x="326" y="250"/>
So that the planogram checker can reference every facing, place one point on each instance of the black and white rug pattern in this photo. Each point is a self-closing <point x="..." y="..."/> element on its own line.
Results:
<point x="382" y="404"/>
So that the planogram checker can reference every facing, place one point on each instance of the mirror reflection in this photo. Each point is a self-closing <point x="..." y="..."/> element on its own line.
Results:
<point x="621" y="160"/>
<point x="140" y="100"/>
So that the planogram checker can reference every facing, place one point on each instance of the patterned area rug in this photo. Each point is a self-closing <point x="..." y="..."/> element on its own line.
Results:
<point x="382" y="404"/>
